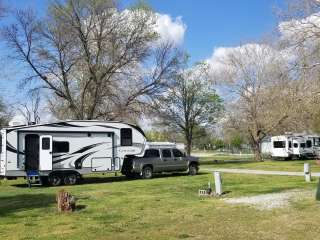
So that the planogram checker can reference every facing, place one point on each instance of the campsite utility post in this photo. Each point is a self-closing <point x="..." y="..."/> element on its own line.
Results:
<point x="307" y="172"/>
<point x="217" y="182"/>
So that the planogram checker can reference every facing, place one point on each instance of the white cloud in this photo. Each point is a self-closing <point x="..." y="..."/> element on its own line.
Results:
<point x="170" y="29"/>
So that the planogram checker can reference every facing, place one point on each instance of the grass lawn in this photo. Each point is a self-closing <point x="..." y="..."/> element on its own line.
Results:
<point x="166" y="207"/>
<point x="277" y="165"/>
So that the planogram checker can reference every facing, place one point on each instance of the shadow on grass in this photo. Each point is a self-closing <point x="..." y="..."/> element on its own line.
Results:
<point x="102" y="179"/>
<point x="24" y="202"/>
<point x="110" y="179"/>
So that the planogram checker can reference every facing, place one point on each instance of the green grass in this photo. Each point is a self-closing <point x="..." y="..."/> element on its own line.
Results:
<point x="289" y="165"/>
<point x="166" y="207"/>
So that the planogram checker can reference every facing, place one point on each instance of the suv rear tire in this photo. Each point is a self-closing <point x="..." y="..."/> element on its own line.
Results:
<point x="147" y="172"/>
<point x="193" y="169"/>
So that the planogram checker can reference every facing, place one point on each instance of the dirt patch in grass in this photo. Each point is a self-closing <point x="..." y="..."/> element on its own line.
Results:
<point x="270" y="201"/>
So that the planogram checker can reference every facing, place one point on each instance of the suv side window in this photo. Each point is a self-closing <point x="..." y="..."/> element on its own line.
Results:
<point x="177" y="153"/>
<point x="166" y="153"/>
<point x="149" y="153"/>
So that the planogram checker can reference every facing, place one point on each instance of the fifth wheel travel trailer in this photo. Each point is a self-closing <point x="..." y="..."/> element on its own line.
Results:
<point x="63" y="151"/>
<point x="293" y="146"/>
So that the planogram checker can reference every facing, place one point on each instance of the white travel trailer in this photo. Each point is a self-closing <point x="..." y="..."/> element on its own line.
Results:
<point x="292" y="146"/>
<point x="63" y="151"/>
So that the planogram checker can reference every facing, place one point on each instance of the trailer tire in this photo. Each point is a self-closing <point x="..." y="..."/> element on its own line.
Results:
<point x="70" y="179"/>
<point x="55" y="179"/>
<point x="147" y="172"/>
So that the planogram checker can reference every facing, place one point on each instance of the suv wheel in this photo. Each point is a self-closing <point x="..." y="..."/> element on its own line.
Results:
<point x="147" y="172"/>
<point x="193" y="169"/>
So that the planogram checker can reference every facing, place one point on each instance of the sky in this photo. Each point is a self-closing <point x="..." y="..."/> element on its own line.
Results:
<point x="209" y="23"/>
<point x="198" y="27"/>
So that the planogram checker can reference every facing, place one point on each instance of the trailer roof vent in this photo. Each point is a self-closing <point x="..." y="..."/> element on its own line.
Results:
<point x="16" y="123"/>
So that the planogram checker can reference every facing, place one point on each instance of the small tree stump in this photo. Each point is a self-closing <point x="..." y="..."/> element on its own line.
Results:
<point x="65" y="201"/>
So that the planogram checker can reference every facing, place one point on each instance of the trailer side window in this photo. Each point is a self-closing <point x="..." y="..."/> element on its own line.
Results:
<point x="290" y="144"/>
<point x="126" y="136"/>
<point x="60" y="147"/>
<point x="279" y="144"/>
<point x="295" y="145"/>
<point x="309" y="143"/>
<point x="46" y="143"/>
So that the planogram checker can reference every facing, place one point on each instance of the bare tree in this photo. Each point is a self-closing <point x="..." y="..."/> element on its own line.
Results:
<point x="93" y="57"/>
<point x="190" y="103"/>
<point x="30" y="107"/>
<point x="263" y="95"/>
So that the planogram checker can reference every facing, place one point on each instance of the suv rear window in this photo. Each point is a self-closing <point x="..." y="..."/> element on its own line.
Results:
<point x="177" y="153"/>
<point x="151" y="153"/>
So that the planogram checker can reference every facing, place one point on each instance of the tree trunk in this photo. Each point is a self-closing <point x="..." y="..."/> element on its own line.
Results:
<point x="189" y="145"/>
<point x="257" y="151"/>
<point x="65" y="201"/>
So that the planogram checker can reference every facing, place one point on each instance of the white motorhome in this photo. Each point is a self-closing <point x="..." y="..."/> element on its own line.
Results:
<point x="63" y="151"/>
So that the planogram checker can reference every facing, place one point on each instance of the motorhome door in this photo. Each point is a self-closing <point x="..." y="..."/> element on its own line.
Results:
<point x="45" y="153"/>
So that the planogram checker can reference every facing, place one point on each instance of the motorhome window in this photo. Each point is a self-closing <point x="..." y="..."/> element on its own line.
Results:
<point x="126" y="137"/>
<point x="166" y="153"/>
<point x="295" y="145"/>
<point x="279" y="144"/>
<point x="46" y="143"/>
<point x="151" y="153"/>
<point x="177" y="153"/>
<point x="290" y="144"/>
<point x="309" y="143"/>
<point x="60" y="147"/>
<point x="302" y="145"/>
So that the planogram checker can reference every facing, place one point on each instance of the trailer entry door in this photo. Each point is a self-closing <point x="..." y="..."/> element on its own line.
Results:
<point x="32" y="152"/>
<point x="45" y="153"/>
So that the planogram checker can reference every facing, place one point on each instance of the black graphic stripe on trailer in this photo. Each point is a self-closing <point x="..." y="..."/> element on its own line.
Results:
<point x="79" y="161"/>
<point x="81" y="150"/>
<point x="11" y="148"/>
<point x="86" y="148"/>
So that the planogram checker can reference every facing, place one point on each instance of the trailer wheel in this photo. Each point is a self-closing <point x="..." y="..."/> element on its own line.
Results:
<point x="55" y="179"/>
<point x="147" y="172"/>
<point x="193" y="169"/>
<point x="70" y="179"/>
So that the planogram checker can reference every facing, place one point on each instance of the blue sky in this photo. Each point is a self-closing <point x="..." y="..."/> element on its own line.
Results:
<point x="210" y="23"/>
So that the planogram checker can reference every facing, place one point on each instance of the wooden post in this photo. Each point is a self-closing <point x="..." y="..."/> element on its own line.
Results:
<point x="218" y="183"/>
<point x="307" y="172"/>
